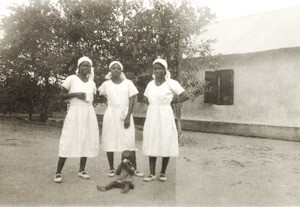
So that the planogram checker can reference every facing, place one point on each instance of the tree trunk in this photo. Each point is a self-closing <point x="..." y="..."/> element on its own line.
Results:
<point x="30" y="107"/>
<point x="44" y="111"/>
<point x="45" y="101"/>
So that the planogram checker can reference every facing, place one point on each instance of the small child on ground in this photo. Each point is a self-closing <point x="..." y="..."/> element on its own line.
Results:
<point x="125" y="171"/>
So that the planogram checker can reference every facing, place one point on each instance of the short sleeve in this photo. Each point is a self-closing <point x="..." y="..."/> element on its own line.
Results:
<point x="132" y="90"/>
<point x="102" y="89"/>
<point x="67" y="83"/>
<point x="147" y="89"/>
<point x="176" y="87"/>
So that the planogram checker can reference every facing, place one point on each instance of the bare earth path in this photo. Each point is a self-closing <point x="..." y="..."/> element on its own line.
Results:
<point x="212" y="170"/>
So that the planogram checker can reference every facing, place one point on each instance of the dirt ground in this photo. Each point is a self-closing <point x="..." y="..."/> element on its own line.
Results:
<point x="212" y="170"/>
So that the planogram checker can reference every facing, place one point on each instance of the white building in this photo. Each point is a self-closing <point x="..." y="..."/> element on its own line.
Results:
<point x="263" y="52"/>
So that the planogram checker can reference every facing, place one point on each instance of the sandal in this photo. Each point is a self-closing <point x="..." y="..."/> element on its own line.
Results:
<point x="162" y="177"/>
<point x="111" y="173"/>
<point x="149" y="178"/>
<point x="83" y="174"/>
<point x="138" y="173"/>
<point x="58" y="178"/>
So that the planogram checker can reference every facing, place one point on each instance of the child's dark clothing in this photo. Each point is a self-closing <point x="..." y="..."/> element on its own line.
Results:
<point x="124" y="171"/>
<point x="125" y="186"/>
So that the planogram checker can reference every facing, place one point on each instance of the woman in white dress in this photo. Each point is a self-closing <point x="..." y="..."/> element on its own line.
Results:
<point x="160" y="136"/>
<point x="80" y="133"/>
<point x="118" y="132"/>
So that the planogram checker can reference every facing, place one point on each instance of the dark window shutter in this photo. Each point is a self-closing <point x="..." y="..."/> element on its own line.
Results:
<point x="211" y="89"/>
<point x="226" y="87"/>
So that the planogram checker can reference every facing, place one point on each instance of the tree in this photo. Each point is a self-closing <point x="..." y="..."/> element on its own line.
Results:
<point x="29" y="48"/>
<point x="43" y="42"/>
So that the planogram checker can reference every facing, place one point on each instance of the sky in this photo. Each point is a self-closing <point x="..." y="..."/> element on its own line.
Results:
<point x="224" y="9"/>
<point x="229" y="9"/>
<point x="4" y="4"/>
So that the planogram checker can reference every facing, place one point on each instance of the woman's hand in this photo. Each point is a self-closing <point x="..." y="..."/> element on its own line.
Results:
<point x="127" y="122"/>
<point x="80" y="95"/>
<point x="66" y="95"/>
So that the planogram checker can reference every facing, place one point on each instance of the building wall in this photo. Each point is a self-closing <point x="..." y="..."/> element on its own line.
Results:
<point x="266" y="90"/>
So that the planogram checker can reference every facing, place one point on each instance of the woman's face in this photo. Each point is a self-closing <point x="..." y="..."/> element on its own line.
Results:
<point x="159" y="70"/>
<point x="115" y="70"/>
<point x="85" y="68"/>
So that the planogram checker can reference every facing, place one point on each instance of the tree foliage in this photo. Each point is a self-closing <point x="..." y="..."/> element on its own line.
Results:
<point x="42" y="42"/>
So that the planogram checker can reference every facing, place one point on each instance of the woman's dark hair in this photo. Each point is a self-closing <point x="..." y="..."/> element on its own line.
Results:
<point x="126" y="155"/>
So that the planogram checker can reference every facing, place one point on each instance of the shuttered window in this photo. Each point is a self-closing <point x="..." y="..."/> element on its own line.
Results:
<point x="220" y="87"/>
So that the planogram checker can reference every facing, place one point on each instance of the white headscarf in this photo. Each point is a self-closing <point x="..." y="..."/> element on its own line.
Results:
<point x="165" y="64"/>
<point x="81" y="60"/>
<point x="108" y="76"/>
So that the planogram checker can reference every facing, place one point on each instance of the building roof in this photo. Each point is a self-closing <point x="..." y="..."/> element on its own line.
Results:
<point x="261" y="32"/>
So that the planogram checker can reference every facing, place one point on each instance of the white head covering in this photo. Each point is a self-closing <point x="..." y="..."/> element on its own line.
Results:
<point x="165" y="64"/>
<point x="108" y="76"/>
<point x="81" y="60"/>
